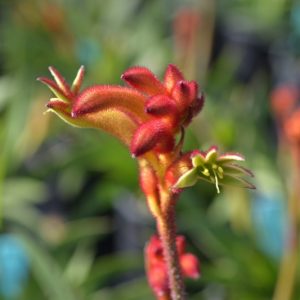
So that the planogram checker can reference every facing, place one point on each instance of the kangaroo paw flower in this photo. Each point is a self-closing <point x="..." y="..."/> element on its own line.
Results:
<point x="147" y="116"/>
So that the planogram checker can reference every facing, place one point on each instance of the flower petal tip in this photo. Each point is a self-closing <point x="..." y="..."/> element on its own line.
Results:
<point x="123" y="77"/>
<point x="74" y="114"/>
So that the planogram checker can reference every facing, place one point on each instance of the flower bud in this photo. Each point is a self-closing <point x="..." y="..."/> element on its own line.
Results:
<point x="157" y="269"/>
<point x="172" y="76"/>
<point x="190" y="265"/>
<point x="153" y="134"/>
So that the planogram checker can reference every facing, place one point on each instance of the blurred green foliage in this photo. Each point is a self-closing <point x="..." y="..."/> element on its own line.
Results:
<point x="65" y="192"/>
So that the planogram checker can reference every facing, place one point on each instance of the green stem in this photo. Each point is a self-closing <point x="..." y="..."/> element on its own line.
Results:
<point x="288" y="267"/>
<point x="286" y="280"/>
<point x="167" y="232"/>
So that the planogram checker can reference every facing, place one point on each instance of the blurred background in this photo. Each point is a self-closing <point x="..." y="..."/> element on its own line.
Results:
<point x="73" y="219"/>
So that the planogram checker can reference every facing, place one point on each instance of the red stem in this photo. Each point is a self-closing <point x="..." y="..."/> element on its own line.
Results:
<point x="167" y="232"/>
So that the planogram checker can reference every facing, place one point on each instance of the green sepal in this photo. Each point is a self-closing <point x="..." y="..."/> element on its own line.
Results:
<point x="187" y="179"/>
<point x="236" y="170"/>
<point x="198" y="160"/>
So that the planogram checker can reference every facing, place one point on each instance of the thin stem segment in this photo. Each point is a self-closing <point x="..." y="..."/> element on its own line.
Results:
<point x="167" y="232"/>
<point x="284" y="288"/>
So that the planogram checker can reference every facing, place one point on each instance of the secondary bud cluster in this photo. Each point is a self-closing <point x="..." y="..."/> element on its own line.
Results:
<point x="156" y="266"/>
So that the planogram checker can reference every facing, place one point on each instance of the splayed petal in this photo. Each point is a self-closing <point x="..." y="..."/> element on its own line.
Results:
<point x="172" y="76"/>
<point x="60" y="81"/>
<point x="76" y="85"/>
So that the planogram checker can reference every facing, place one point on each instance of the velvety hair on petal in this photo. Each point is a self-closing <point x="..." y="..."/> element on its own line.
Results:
<point x="61" y="82"/>
<point x="153" y="134"/>
<point x="172" y="76"/>
<point x="161" y="105"/>
<point x="102" y="97"/>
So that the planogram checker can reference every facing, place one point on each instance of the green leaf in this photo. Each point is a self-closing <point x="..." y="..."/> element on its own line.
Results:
<point x="46" y="271"/>
<point x="86" y="228"/>
<point x="79" y="264"/>
<point x="20" y="191"/>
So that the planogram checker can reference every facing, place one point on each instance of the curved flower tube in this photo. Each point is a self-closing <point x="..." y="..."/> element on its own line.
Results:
<point x="114" y="109"/>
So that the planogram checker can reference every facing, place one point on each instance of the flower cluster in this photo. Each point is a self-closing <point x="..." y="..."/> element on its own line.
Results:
<point x="157" y="269"/>
<point x="170" y="104"/>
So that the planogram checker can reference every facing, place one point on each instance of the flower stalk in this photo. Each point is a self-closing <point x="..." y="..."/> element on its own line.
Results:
<point x="167" y="232"/>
